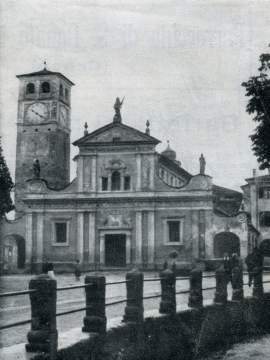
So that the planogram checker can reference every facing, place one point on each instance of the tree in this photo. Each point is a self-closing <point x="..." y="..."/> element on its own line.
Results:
<point x="6" y="186"/>
<point x="258" y="91"/>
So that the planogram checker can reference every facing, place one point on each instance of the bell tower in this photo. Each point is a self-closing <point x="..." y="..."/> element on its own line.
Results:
<point x="43" y="130"/>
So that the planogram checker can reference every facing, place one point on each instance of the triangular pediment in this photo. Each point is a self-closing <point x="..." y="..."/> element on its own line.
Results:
<point x="116" y="133"/>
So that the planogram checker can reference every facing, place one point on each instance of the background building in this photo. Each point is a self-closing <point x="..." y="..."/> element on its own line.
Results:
<point x="257" y="204"/>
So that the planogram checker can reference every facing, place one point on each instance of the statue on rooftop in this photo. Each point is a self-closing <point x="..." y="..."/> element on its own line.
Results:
<point x="117" y="107"/>
<point x="202" y="165"/>
<point x="36" y="169"/>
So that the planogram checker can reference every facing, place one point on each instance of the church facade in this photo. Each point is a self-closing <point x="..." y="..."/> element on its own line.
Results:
<point x="128" y="205"/>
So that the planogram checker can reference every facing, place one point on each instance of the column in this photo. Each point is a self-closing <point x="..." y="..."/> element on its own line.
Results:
<point x="80" y="236"/>
<point x="40" y="230"/>
<point x="152" y="172"/>
<point x="92" y="237"/>
<point x="94" y="173"/>
<point x="80" y="173"/>
<point x="138" y="237"/>
<point x="139" y="171"/>
<point x="128" y="248"/>
<point x="151" y="237"/>
<point x="102" y="249"/>
<point x="29" y="238"/>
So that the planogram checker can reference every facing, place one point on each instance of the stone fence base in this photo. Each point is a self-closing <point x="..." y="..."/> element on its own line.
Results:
<point x="188" y="334"/>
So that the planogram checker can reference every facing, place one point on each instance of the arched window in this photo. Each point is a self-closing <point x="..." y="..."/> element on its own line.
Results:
<point x="45" y="87"/>
<point x="66" y="94"/>
<point x="61" y="91"/>
<point x="115" y="180"/>
<point x="30" y="88"/>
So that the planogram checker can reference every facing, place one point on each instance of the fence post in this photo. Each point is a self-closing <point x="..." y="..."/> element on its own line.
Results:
<point x="237" y="283"/>
<point x="195" y="282"/>
<point x="258" y="283"/>
<point x="95" y="319"/>
<point x="43" y="334"/>
<point x="134" y="307"/>
<point x="221" y="293"/>
<point x="168" y="296"/>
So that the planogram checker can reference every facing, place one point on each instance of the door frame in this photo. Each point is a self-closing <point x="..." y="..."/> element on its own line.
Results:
<point x="118" y="231"/>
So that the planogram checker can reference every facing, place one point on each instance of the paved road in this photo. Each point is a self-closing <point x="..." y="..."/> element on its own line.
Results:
<point x="14" y="309"/>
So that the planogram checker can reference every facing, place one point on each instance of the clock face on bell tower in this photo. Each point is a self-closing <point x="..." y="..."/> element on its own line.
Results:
<point x="37" y="112"/>
<point x="43" y="130"/>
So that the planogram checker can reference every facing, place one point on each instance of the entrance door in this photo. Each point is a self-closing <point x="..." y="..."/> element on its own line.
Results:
<point x="115" y="250"/>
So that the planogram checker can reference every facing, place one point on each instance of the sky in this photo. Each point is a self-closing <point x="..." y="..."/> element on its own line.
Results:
<point x="179" y="64"/>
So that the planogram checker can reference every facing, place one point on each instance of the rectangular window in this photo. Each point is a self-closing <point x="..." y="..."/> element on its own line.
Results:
<point x="104" y="185"/>
<point x="61" y="232"/>
<point x="174" y="231"/>
<point x="264" y="193"/>
<point x="265" y="218"/>
<point x="260" y="193"/>
<point x="127" y="183"/>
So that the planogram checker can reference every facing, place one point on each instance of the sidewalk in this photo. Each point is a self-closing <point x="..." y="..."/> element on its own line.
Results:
<point x="70" y="337"/>
<point x="65" y="339"/>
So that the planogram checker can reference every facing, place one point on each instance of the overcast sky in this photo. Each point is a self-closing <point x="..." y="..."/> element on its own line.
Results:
<point x="179" y="64"/>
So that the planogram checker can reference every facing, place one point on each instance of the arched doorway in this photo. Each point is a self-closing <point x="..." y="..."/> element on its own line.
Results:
<point x="226" y="242"/>
<point x="13" y="253"/>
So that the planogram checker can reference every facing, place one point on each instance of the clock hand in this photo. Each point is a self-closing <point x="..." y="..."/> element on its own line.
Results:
<point x="43" y="117"/>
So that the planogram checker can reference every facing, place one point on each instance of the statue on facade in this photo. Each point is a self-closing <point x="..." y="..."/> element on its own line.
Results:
<point x="36" y="169"/>
<point x="117" y="107"/>
<point x="202" y="165"/>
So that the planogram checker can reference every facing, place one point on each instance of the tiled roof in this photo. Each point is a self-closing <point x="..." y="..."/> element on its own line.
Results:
<point x="227" y="202"/>
<point x="164" y="160"/>
<point x="45" y="72"/>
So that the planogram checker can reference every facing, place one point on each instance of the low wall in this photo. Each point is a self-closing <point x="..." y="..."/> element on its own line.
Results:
<point x="187" y="335"/>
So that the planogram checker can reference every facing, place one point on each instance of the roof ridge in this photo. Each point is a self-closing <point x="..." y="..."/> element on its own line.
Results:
<point x="112" y="125"/>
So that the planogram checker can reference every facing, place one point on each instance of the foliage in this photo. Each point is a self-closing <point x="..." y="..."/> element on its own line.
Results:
<point x="258" y="91"/>
<point x="6" y="186"/>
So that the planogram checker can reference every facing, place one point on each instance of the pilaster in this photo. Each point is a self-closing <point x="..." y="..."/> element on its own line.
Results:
<point x="29" y="238"/>
<point x="139" y="172"/>
<point x="138" y="252"/>
<point x="202" y="234"/>
<point x="40" y="231"/>
<point x="80" y="228"/>
<point x="151" y="237"/>
<point x="80" y="172"/>
<point x="152" y="172"/>
<point x="92" y="237"/>
<point x="94" y="173"/>
<point x="102" y="250"/>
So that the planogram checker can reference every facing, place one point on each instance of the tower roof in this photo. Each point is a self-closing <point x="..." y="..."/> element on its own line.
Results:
<point x="45" y="72"/>
<point x="169" y="153"/>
